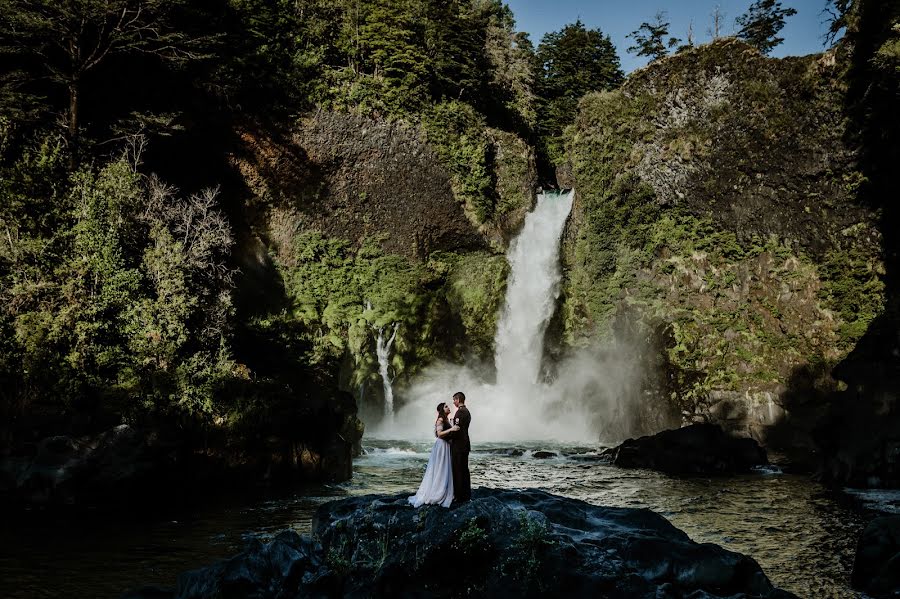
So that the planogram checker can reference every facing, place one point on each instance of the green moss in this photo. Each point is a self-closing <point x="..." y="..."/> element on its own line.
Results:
<point x="749" y="305"/>
<point x="459" y="135"/>
<point x="342" y="296"/>
<point x="852" y="287"/>
<point x="472" y="540"/>
<point x="475" y="290"/>
<point x="514" y="164"/>
<point x="526" y="560"/>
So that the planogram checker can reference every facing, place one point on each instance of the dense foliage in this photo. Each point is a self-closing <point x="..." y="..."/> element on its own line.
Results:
<point x="121" y="294"/>
<point x="115" y="289"/>
<point x="570" y="63"/>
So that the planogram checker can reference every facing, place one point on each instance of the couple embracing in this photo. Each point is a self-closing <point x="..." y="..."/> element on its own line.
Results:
<point x="447" y="474"/>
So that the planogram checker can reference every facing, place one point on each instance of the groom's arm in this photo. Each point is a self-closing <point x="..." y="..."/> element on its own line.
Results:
<point x="465" y="420"/>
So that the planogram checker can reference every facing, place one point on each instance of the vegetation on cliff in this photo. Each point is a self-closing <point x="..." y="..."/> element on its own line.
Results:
<point x="691" y="208"/>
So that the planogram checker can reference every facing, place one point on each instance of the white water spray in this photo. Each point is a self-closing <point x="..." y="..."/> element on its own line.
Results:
<point x="383" y="351"/>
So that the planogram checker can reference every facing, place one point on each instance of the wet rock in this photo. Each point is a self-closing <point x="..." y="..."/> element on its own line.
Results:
<point x="543" y="455"/>
<point x="696" y="449"/>
<point x="500" y="544"/>
<point x="876" y="568"/>
<point x="261" y="570"/>
<point x="514" y="452"/>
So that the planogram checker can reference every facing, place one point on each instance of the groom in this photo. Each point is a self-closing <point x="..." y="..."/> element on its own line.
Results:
<point x="459" y="450"/>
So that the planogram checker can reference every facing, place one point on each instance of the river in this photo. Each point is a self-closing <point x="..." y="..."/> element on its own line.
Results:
<point x="801" y="534"/>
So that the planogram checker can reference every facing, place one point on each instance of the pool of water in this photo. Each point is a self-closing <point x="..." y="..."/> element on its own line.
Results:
<point x="802" y="535"/>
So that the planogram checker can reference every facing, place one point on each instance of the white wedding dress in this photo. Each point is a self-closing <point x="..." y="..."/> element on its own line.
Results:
<point x="437" y="484"/>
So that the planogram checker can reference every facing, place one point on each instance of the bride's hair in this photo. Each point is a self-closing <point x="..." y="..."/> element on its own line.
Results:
<point x="440" y="411"/>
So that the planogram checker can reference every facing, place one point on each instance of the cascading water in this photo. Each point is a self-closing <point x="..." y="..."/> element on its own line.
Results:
<point x="383" y="351"/>
<point x="532" y="291"/>
<point x="519" y="405"/>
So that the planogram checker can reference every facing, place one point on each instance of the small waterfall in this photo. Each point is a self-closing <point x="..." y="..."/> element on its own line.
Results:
<point x="383" y="351"/>
<point x="532" y="291"/>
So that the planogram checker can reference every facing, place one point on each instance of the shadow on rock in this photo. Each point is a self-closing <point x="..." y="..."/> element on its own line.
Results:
<point x="696" y="449"/>
<point x="499" y="544"/>
<point x="876" y="569"/>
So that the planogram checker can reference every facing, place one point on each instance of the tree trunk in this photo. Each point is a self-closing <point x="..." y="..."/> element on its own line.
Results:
<point x="73" y="123"/>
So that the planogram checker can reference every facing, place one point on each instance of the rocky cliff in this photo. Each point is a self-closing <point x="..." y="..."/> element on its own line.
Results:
<point x="718" y="202"/>
<point x="363" y="225"/>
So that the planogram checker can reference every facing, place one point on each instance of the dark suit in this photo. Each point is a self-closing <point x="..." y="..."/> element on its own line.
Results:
<point x="459" y="455"/>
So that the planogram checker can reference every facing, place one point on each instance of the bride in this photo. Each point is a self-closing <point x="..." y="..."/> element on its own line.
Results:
<point x="437" y="484"/>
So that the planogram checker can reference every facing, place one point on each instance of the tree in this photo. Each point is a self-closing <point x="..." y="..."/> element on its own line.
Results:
<point x="718" y="17"/>
<point x="454" y="42"/>
<point x="510" y="57"/>
<point x="650" y="38"/>
<point x="572" y="62"/>
<point x="69" y="39"/>
<point x="760" y="25"/>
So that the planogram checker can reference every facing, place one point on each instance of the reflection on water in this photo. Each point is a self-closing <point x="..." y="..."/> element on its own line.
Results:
<point x="803" y="536"/>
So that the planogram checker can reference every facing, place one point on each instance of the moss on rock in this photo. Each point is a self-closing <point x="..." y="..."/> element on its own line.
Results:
<point x="716" y="193"/>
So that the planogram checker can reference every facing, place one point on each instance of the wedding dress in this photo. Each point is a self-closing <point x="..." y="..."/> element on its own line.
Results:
<point x="437" y="484"/>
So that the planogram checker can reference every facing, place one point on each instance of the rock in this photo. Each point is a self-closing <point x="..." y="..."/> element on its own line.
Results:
<point x="125" y="465"/>
<point x="261" y="570"/>
<point x="543" y="455"/>
<point x="876" y="568"/>
<point x="66" y="470"/>
<point x="381" y="178"/>
<point x="699" y="146"/>
<point x="501" y="543"/>
<point x="695" y="449"/>
<point x="150" y="593"/>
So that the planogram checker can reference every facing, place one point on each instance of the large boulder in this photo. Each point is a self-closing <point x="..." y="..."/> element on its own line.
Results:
<point x="876" y="569"/>
<point x="695" y="449"/>
<point x="500" y="544"/>
<point x="64" y="470"/>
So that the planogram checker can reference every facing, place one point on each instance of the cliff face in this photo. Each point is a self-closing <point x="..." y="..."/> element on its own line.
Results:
<point x="717" y="200"/>
<point x="353" y="177"/>
<point x="366" y="226"/>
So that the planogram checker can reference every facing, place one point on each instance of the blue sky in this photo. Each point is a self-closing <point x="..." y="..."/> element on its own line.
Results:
<point x="802" y="34"/>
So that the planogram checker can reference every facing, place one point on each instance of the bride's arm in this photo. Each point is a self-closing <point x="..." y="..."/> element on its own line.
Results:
<point x="446" y="433"/>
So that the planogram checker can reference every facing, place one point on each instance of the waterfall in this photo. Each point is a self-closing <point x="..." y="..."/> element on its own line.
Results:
<point x="520" y="405"/>
<point x="383" y="351"/>
<point x="532" y="291"/>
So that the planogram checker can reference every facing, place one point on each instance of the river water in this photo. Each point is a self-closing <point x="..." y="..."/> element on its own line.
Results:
<point x="802" y="534"/>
